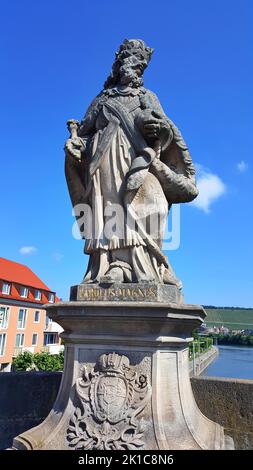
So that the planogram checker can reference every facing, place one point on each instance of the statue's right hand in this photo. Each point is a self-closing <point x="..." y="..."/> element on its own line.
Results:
<point x="74" y="146"/>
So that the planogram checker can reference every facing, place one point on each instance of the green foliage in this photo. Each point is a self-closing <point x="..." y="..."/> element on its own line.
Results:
<point x="39" y="361"/>
<point x="234" y="339"/>
<point x="199" y="345"/>
<point x="23" y="361"/>
<point x="195" y="334"/>
<point x="49" y="362"/>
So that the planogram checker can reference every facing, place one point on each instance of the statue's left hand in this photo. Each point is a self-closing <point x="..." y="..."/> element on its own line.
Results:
<point x="151" y="128"/>
<point x="149" y="122"/>
<point x="74" y="147"/>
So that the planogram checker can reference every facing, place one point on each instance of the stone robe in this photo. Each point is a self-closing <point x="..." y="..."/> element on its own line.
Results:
<point x="100" y="180"/>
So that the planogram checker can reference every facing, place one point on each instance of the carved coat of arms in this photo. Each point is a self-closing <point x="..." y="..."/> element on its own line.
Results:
<point x="111" y="397"/>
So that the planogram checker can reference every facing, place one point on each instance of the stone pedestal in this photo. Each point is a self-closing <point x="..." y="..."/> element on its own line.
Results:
<point x="126" y="380"/>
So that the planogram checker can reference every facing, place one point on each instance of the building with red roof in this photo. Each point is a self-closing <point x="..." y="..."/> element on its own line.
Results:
<point x="23" y="321"/>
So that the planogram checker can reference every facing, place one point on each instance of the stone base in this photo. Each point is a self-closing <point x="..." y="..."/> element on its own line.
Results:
<point x="126" y="381"/>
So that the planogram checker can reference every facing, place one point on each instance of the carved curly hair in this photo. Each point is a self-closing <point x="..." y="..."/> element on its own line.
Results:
<point x="130" y="47"/>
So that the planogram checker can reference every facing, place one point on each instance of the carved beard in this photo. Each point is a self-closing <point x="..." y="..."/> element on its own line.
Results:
<point x="128" y="76"/>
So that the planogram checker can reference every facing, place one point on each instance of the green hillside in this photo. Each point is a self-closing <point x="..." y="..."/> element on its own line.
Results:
<point x="240" y="319"/>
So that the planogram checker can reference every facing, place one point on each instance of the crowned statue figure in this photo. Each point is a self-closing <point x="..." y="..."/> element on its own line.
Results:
<point x="126" y="156"/>
<point x="126" y="329"/>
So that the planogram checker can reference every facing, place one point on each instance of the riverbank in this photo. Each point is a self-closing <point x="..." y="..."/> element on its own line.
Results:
<point x="200" y="363"/>
<point x="233" y="339"/>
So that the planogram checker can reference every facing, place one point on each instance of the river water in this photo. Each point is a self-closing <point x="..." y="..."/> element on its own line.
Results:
<point x="232" y="361"/>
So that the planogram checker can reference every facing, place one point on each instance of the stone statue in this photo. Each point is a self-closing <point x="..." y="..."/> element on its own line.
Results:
<point x="126" y="329"/>
<point x="127" y="154"/>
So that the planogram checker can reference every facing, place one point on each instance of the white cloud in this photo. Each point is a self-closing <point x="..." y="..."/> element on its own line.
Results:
<point x="27" y="250"/>
<point x="242" y="166"/>
<point x="210" y="187"/>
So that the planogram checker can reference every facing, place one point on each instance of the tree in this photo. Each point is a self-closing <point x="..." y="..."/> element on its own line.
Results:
<point x="44" y="361"/>
<point x="23" y="361"/>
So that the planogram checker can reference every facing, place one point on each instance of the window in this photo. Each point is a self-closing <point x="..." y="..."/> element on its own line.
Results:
<point x="4" y="317"/>
<point x="19" y="340"/>
<point x="22" y="318"/>
<point x="2" y="343"/>
<point x="6" y="288"/>
<point x="37" y="316"/>
<point x="37" y="294"/>
<point x="23" y="291"/>
<point x="48" y="320"/>
<point x="51" y="298"/>
<point x="34" y="339"/>
<point x="50" y="338"/>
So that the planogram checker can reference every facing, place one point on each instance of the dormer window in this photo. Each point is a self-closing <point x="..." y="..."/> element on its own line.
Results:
<point x="23" y="291"/>
<point x="6" y="288"/>
<point x="51" y="298"/>
<point x="37" y="294"/>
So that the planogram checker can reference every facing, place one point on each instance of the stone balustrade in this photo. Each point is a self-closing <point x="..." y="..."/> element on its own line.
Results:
<point x="27" y="397"/>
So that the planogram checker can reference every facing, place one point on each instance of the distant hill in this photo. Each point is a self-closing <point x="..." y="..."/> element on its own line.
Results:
<point x="230" y="317"/>
<point x="227" y="308"/>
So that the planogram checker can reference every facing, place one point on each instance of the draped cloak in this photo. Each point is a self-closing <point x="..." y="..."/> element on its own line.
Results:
<point x="112" y="145"/>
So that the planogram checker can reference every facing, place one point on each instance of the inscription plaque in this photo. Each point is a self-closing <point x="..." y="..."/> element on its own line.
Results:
<point x="126" y="292"/>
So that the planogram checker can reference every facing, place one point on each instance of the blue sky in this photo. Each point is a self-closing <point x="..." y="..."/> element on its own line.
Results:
<point x="55" y="56"/>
